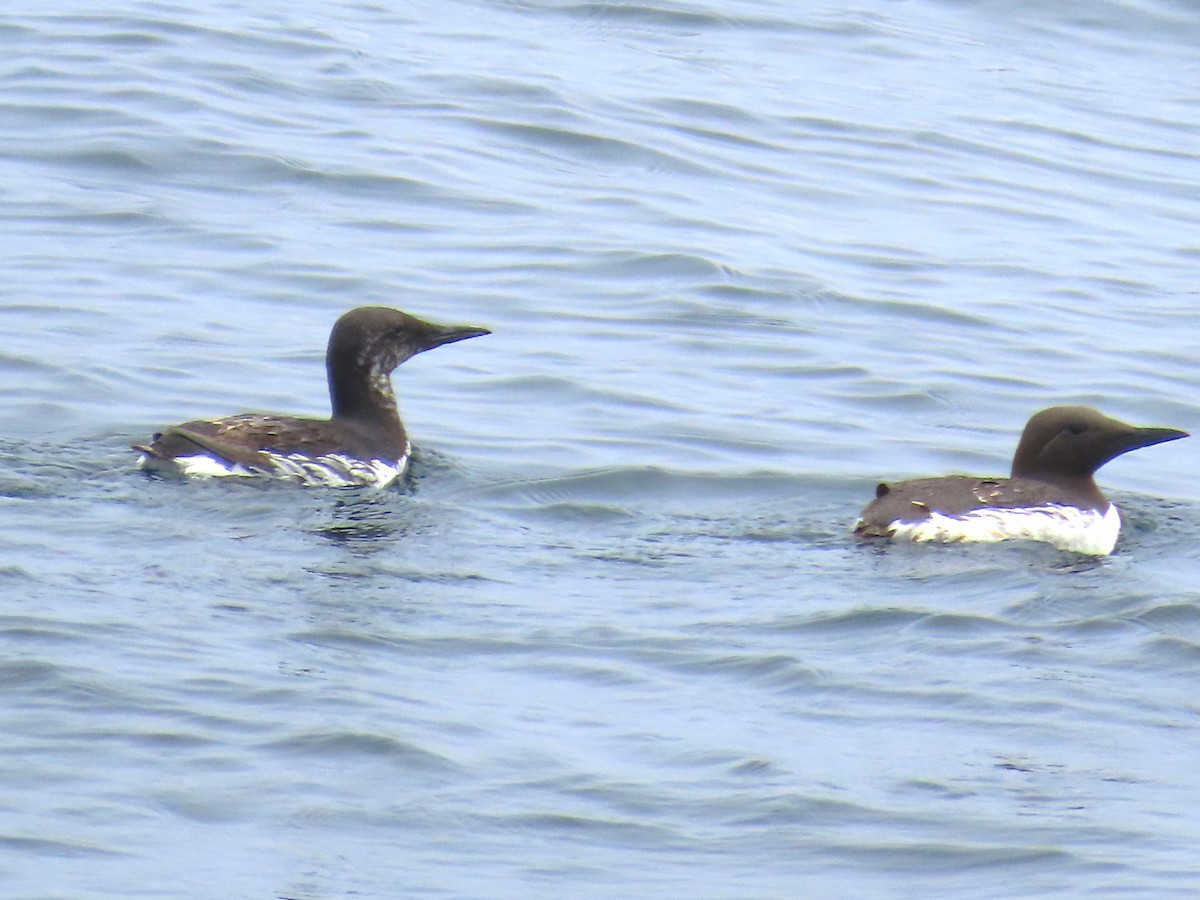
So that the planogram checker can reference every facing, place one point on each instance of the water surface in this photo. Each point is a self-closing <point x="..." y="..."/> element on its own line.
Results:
<point x="741" y="262"/>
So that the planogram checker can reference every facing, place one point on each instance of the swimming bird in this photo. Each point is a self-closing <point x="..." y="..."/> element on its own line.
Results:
<point x="1050" y="496"/>
<point x="362" y="443"/>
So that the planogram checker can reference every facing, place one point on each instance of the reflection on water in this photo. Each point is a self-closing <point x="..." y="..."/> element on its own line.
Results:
<point x="365" y="521"/>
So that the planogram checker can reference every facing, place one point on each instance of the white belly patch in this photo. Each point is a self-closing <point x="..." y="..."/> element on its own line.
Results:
<point x="331" y="470"/>
<point x="1065" y="527"/>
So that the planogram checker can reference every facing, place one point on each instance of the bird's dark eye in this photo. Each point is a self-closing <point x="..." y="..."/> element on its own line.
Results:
<point x="1076" y="428"/>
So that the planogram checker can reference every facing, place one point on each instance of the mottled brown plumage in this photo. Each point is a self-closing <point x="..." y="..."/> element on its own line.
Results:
<point x="365" y="346"/>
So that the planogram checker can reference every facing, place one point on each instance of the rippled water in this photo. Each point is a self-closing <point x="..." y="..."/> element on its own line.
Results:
<point x="741" y="262"/>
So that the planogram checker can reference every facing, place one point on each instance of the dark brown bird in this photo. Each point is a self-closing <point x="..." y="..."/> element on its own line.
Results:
<point x="362" y="443"/>
<point x="1050" y="496"/>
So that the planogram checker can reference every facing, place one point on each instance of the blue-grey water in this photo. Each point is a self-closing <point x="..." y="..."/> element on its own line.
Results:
<point x="742" y="260"/>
